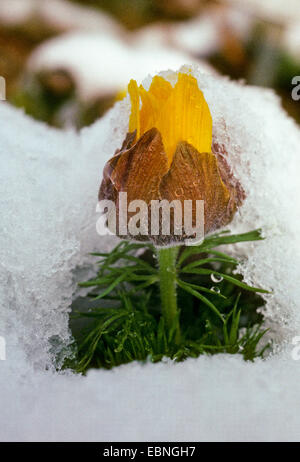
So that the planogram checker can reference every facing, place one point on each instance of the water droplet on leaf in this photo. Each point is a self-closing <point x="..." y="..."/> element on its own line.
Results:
<point x="216" y="278"/>
<point x="215" y="289"/>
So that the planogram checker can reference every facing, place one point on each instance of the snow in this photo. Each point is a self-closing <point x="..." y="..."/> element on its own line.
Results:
<point x="48" y="200"/>
<point x="218" y="398"/>
<point x="48" y="190"/>
<point x="291" y="40"/>
<point x="202" y="35"/>
<point x="61" y="15"/>
<point x="263" y="150"/>
<point x="102" y="63"/>
<point x="277" y="11"/>
<point x="16" y="11"/>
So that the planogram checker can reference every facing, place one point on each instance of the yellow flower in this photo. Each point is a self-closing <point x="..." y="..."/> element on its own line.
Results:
<point x="167" y="154"/>
<point x="179" y="114"/>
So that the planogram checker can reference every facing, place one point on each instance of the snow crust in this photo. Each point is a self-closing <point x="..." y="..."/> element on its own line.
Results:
<point x="48" y="191"/>
<point x="221" y="398"/>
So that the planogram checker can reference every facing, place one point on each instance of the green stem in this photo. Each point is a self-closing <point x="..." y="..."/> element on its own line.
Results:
<point x="167" y="280"/>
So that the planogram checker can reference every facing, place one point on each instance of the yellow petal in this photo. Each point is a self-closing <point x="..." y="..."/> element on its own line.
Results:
<point x="121" y="94"/>
<point x="149" y="110"/>
<point x="180" y="113"/>
<point x="153" y="102"/>
<point x="160" y="88"/>
<point x="134" y="121"/>
<point x="185" y="116"/>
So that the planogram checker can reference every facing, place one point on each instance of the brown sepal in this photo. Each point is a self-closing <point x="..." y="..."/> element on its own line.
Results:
<point x="141" y="169"/>
<point x="195" y="176"/>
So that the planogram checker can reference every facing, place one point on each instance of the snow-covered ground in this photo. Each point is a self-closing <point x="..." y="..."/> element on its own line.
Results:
<point x="221" y="398"/>
<point x="48" y="194"/>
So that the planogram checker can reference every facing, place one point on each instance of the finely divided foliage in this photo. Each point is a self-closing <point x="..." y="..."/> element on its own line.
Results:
<point x="218" y="311"/>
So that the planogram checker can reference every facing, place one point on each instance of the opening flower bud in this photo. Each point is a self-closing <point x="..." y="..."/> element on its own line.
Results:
<point x="166" y="161"/>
